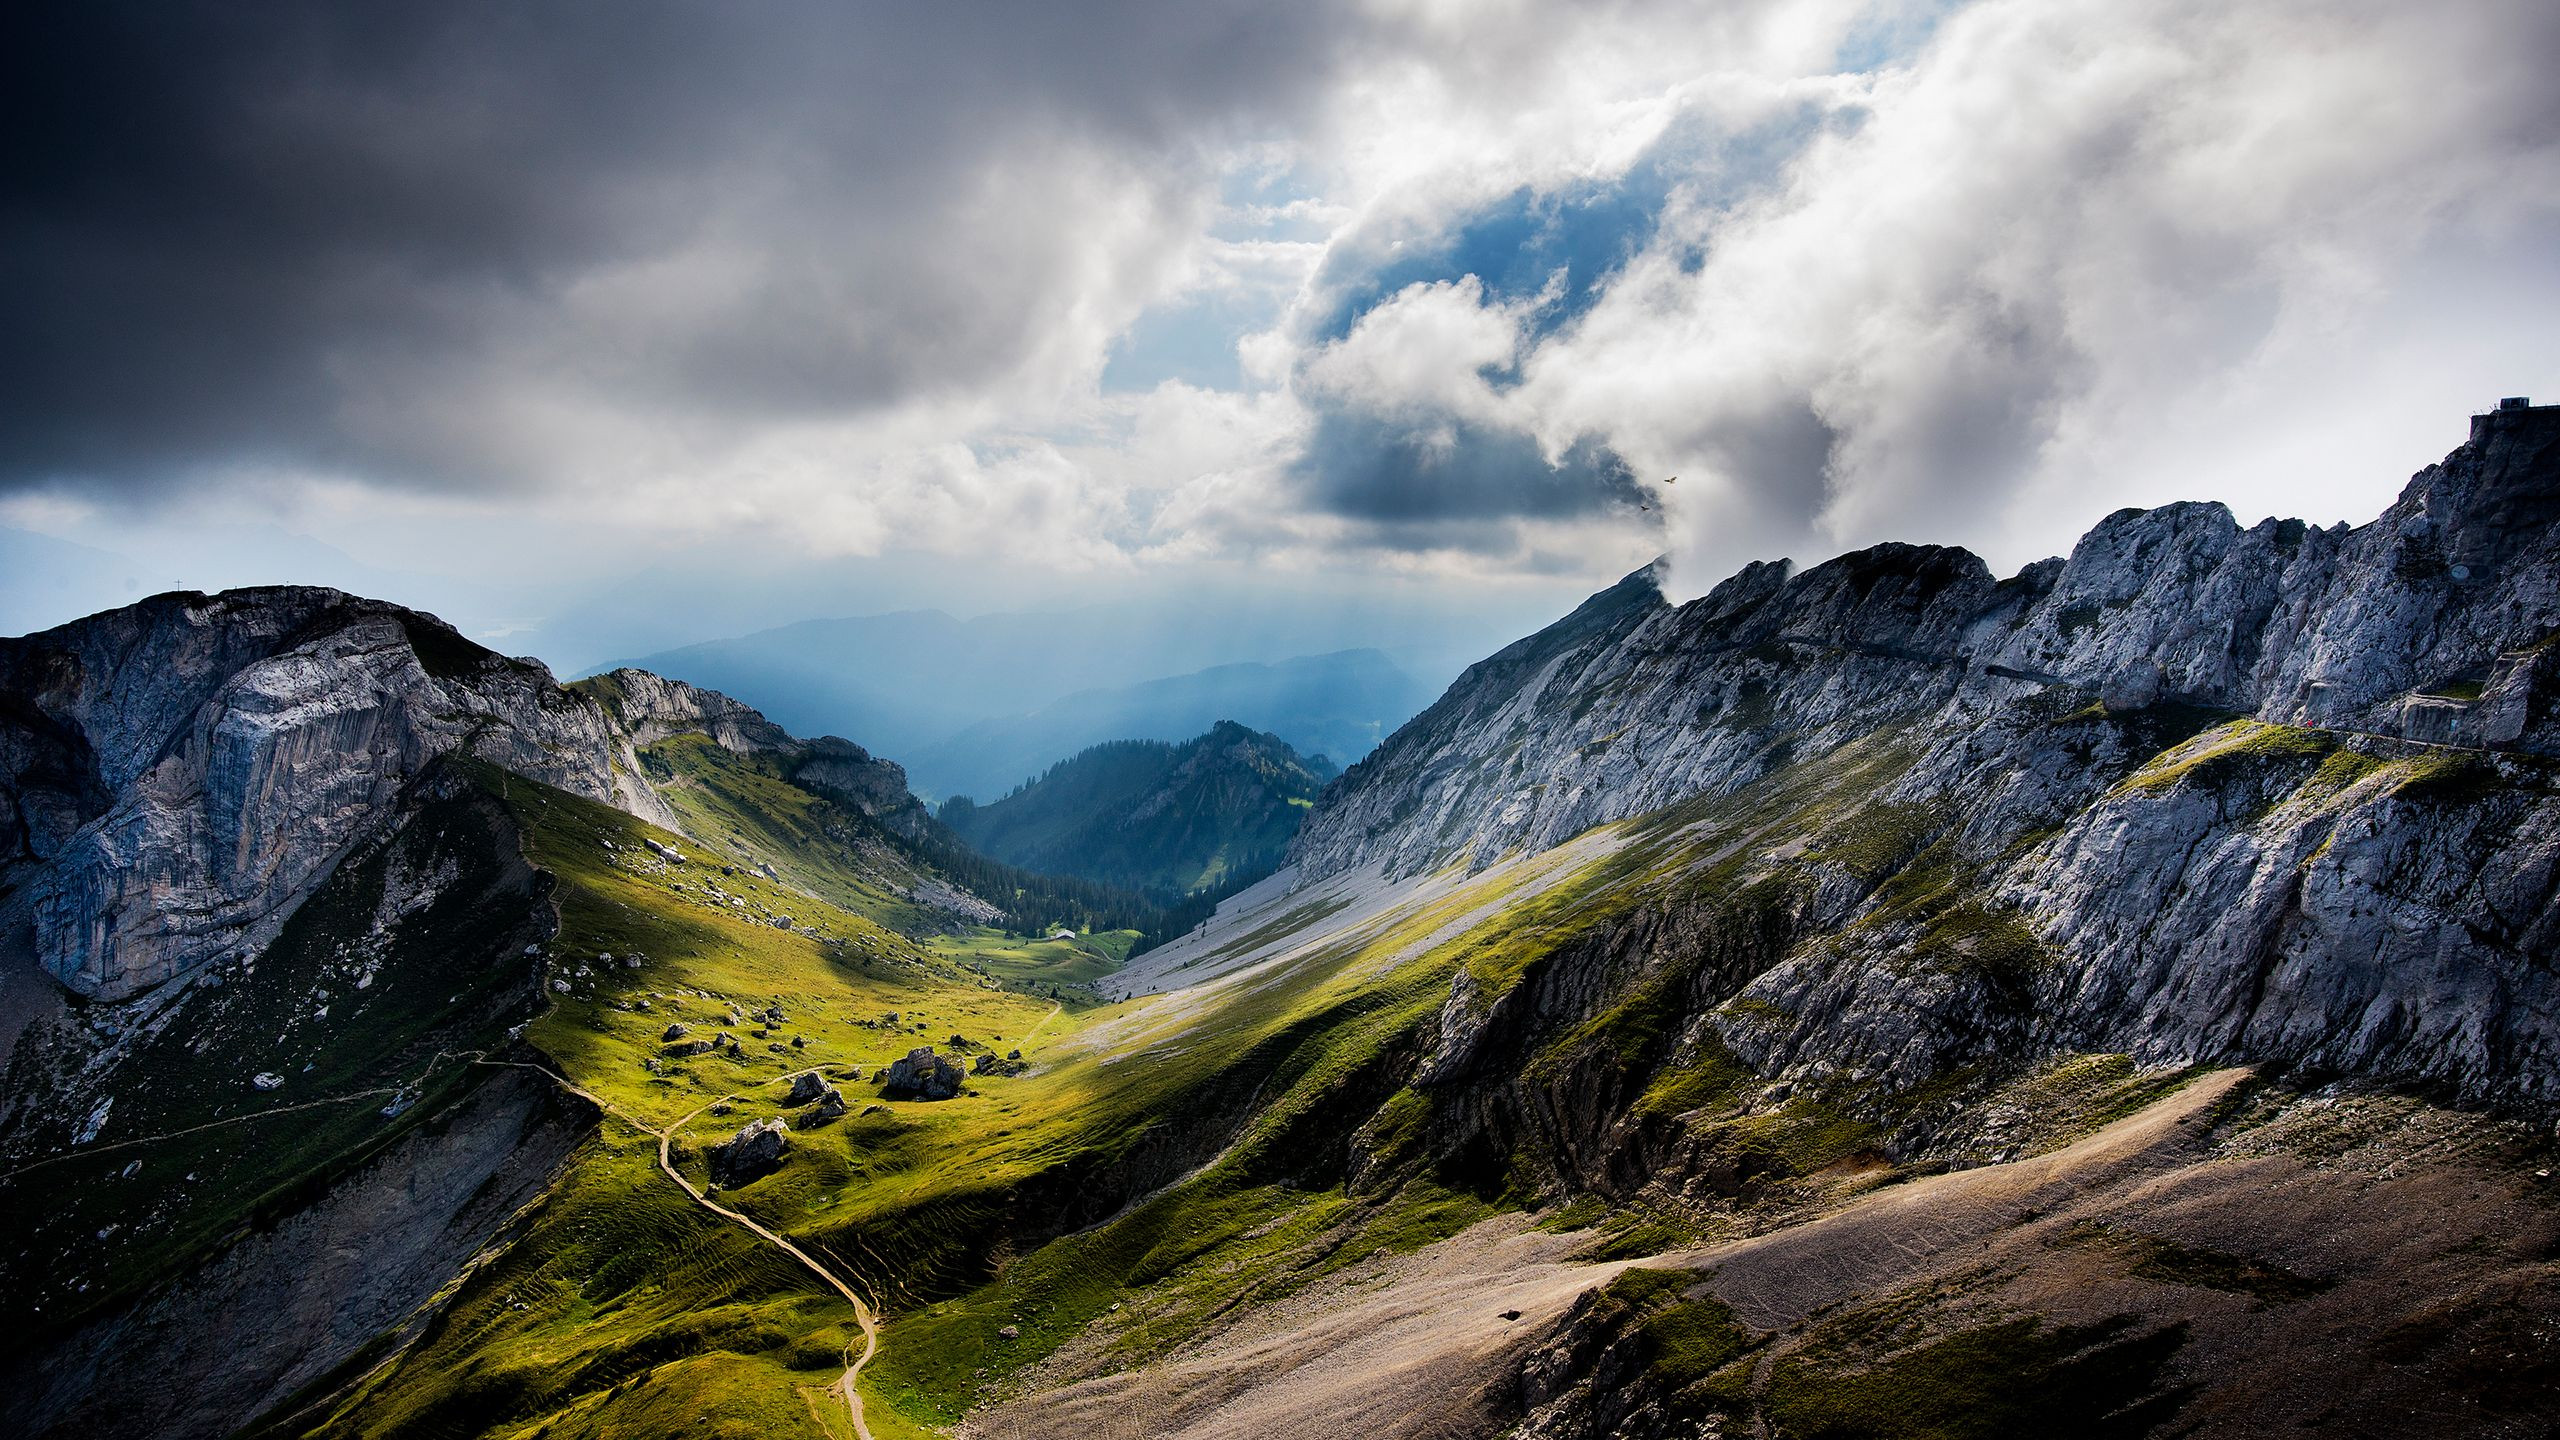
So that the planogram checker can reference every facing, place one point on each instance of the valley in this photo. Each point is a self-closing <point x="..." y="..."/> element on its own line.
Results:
<point x="1876" y="1000"/>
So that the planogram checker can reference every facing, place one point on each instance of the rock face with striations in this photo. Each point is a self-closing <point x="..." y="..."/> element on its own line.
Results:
<point x="2433" y="622"/>
<point x="176" y="776"/>
<point x="2208" y="793"/>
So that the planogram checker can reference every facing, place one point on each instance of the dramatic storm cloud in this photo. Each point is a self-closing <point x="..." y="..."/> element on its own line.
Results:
<point x="1415" y="286"/>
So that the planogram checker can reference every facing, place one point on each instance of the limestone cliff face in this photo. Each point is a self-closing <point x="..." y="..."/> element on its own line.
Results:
<point x="2436" y="622"/>
<point x="2197" y="792"/>
<point x="845" y="772"/>
<point x="175" y="776"/>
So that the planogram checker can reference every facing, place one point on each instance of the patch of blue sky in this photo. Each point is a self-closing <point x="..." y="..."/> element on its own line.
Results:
<point x="1271" y="202"/>
<point x="1191" y="339"/>
<point x="1889" y="34"/>
<point x="1575" y="237"/>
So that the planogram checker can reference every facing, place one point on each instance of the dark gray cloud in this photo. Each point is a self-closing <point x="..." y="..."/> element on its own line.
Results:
<point x="845" y="279"/>
<point x="324" y="236"/>
<point x="1403" y="474"/>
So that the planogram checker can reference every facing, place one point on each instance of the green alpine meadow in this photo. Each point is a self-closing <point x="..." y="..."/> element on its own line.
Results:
<point x="1786" y="720"/>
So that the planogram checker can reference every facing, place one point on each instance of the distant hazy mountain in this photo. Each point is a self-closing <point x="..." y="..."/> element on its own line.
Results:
<point x="911" y="679"/>
<point x="978" y="706"/>
<point x="1338" y="706"/>
<point x="1153" y="815"/>
<point x="45" y="581"/>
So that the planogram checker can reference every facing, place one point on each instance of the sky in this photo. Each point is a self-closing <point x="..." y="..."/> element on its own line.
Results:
<point x="605" y="328"/>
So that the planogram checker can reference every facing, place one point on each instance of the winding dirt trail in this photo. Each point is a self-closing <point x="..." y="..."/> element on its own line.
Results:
<point x="862" y="1313"/>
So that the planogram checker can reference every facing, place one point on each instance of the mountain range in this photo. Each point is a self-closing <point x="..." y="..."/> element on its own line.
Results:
<point x="1321" y="706"/>
<point x="1878" y="999"/>
<point x="1153" y="815"/>
<point x="976" y="707"/>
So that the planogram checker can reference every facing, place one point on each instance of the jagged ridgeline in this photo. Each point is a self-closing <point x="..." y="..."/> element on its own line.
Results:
<point x="1878" y="1000"/>
<point x="1210" y="814"/>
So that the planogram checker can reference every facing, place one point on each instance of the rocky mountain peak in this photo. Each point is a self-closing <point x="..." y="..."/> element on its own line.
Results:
<point x="1630" y="703"/>
<point x="177" y="775"/>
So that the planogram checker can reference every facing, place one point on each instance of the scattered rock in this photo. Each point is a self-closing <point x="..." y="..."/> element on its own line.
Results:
<point x="677" y="1031"/>
<point x="805" y="1087"/>
<point x="267" y="1080"/>
<point x="922" y="1075"/>
<point x="1010" y="1332"/>
<point x="830" y="1107"/>
<point x="754" y="1152"/>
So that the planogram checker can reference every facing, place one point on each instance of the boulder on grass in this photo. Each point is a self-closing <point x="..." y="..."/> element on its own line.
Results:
<point x="922" y="1075"/>
<point x="754" y="1152"/>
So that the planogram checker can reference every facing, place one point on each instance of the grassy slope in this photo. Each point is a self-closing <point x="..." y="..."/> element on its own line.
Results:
<point x="744" y="806"/>
<point x="1065" y="969"/>
<point x="1239" y="1095"/>
<point x="916" y="1203"/>
<point x="636" y="1299"/>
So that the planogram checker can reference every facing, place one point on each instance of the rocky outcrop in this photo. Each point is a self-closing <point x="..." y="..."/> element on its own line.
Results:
<point x="186" y="770"/>
<point x="850" y="775"/>
<point x="751" y="1154"/>
<point x="293" y="1299"/>
<point x="2439" y="621"/>
<point x="176" y="776"/>
<point x="921" y="1074"/>
<point x="2197" y="793"/>
<point x="648" y="708"/>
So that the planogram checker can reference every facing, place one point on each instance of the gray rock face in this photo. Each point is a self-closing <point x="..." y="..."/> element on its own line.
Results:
<point x="828" y="1105"/>
<point x="2192" y="783"/>
<point x="186" y="770"/>
<point x="922" y="1075"/>
<point x="1630" y="703"/>
<point x="845" y="772"/>
<point x="751" y="1154"/>
<point x="176" y="776"/>
<point x="290" y="1300"/>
